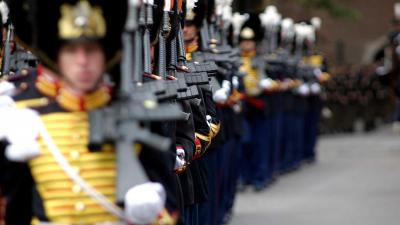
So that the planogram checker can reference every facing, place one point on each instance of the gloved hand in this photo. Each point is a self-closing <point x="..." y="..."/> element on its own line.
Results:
<point x="267" y="84"/>
<point x="180" y="162"/>
<point x="235" y="82"/>
<point x="221" y="95"/>
<point x="7" y="88"/>
<point x="226" y="85"/>
<point x="209" y="120"/>
<point x="6" y="101"/>
<point x="144" y="203"/>
<point x="315" y="88"/>
<point x="20" y="127"/>
<point x="317" y="72"/>
<point x="303" y="90"/>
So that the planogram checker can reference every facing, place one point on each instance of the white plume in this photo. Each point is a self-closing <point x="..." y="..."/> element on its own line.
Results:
<point x="270" y="17"/>
<point x="310" y="34"/>
<point x="150" y="2"/>
<point x="301" y="31"/>
<point x="397" y="10"/>
<point x="221" y="6"/>
<point x="271" y="9"/>
<point x="227" y="14"/>
<point x="305" y="32"/>
<point x="190" y="4"/>
<point x="316" y="22"/>
<point x="288" y="30"/>
<point x="237" y="21"/>
<point x="4" y="10"/>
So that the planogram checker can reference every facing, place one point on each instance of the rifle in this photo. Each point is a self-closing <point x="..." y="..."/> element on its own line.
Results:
<point x="119" y="123"/>
<point x="7" y="49"/>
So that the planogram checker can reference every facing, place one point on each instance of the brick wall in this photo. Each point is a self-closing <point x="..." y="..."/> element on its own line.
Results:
<point x="359" y="38"/>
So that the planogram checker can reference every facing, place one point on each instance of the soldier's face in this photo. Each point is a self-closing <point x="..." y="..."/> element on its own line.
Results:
<point x="82" y="65"/>
<point x="247" y="46"/>
<point x="189" y="33"/>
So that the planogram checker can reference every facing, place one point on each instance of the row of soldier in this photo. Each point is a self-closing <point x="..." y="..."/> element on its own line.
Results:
<point x="144" y="112"/>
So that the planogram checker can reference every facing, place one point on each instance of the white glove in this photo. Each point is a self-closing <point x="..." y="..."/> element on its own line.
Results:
<point x="266" y="84"/>
<point x="221" y="95"/>
<point x="315" y="88"/>
<point x="303" y="90"/>
<point x="235" y="82"/>
<point x="144" y="203"/>
<point x="180" y="158"/>
<point x="21" y="128"/>
<point x="7" y="88"/>
<point x="317" y="72"/>
<point x="209" y="120"/>
<point x="6" y="101"/>
<point x="22" y="152"/>
<point x="226" y="85"/>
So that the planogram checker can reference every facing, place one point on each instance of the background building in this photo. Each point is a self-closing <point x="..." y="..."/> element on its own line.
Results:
<point x="343" y="40"/>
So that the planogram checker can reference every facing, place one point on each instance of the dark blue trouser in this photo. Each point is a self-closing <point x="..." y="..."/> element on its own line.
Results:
<point x="233" y="175"/>
<point x="397" y="111"/>
<point x="245" y="172"/>
<point x="312" y="118"/>
<point x="274" y="130"/>
<point x="228" y="177"/>
<point x="258" y="152"/>
<point x="299" y="129"/>
<point x="191" y="215"/>
<point x="289" y="140"/>
<point x="208" y="210"/>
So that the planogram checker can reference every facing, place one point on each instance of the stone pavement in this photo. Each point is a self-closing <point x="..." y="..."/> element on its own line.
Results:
<point x="355" y="182"/>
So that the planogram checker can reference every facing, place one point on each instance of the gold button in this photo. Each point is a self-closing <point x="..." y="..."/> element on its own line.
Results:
<point x="74" y="154"/>
<point x="24" y="72"/>
<point x="76" y="169"/>
<point x="80" y="206"/>
<point x="76" y="188"/>
<point x="76" y="136"/>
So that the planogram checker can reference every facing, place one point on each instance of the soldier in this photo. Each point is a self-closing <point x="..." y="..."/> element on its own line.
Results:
<point x="193" y="21"/>
<point x="206" y="42"/>
<point x="255" y="156"/>
<point x="314" y="76"/>
<point x="78" y="43"/>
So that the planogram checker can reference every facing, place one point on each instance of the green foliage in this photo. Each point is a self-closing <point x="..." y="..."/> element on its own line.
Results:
<point x="335" y="9"/>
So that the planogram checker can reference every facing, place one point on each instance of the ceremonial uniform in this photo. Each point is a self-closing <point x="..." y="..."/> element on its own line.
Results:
<point x="206" y="128"/>
<point x="312" y="114"/>
<point x="46" y="192"/>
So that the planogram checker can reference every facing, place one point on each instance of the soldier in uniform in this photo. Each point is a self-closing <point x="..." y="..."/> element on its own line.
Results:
<point x="78" y="43"/>
<point x="255" y="156"/>
<point x="193" y="21"/>
<point x="220" y="155"/>
<point x="314" y="76"/>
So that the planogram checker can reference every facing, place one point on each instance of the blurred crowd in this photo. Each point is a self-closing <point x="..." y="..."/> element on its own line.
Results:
<point x="356" y="99"/>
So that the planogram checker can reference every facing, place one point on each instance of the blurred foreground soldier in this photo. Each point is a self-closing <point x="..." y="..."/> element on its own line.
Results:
<point x="76" y="41"/>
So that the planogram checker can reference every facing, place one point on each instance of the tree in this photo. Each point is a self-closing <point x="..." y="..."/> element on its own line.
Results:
<point x="334" y="8"/>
